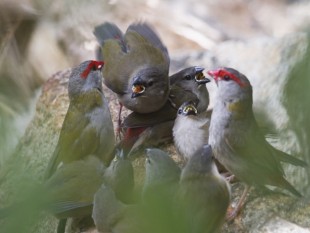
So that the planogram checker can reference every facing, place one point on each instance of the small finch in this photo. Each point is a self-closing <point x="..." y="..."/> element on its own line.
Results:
<point x="203" y="195"/>
<point x="236" y="139"/>
<point x="87" y="128"/>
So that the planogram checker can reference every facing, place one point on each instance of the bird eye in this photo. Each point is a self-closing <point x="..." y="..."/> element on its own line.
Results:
<point x="150" y="83"/>
<point x="226" y="78"/>
<point x="180" y="111"/>
<point x="188" y="77"/>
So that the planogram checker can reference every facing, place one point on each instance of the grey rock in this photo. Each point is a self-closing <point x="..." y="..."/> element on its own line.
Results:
<point x="278" y="225"/>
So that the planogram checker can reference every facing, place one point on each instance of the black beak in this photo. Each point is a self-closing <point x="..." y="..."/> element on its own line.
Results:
<point x="199" y="77"/>
<point x="198" y="69"/>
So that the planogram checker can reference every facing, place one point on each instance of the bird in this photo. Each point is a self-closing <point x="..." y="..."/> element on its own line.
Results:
<point x="120" y="177"/>
<point x="153" y="212"/>
<point x="192" y="80"/>
<point x="87" y="127"/>
<point x="149" y="130"/>
<point x="190" y="130"/>
<point x="158" y="193"/>
<point x="237" y="141"/>
<point x="136" y="65"/>
<point x="70" y="190"/>
<point x="203" y="195"/>
<point x="112" y="215"/>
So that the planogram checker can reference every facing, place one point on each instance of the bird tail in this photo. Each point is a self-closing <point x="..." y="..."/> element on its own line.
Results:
<point x="286" y="185"/>
<point x="286" y="158"/>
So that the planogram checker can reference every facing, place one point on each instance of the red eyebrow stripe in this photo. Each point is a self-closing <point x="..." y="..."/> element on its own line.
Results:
<point x="220" y="73"/>
<point x="236" y="79"/>
<point x="92" y="64"/>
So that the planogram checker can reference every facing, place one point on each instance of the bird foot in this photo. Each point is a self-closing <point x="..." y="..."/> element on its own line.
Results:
<point x="229" y="177"/>
<point x="232" y="213"/>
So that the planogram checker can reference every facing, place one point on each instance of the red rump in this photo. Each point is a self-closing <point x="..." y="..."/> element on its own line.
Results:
<point x="131" y="136"/>
<point x="93" y="65"/>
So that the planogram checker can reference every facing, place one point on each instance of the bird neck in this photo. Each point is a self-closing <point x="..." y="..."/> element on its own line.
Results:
<point x="88" y="100"/>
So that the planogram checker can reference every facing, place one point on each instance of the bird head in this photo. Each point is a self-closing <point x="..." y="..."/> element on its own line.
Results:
<point x="149" y="81"/>
<point x="160" y="167"/>
<point x="85" y="77"/>
<point x="233" y="86"/>
<point x="201" y="162"/>
<point x="189" y="78"/>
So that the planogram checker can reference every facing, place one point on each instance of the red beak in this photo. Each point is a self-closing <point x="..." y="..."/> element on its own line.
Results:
<point x="214" y="73"/>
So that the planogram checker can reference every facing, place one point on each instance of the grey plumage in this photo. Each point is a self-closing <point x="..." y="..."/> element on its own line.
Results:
<point x="190" y="130"/>
<point x="136" y="66"/>
<point x="236" y="140"/>
<point x="203" y="195"/>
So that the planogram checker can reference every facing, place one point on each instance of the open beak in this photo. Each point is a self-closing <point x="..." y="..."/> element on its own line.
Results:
<point x="199" y="76"/>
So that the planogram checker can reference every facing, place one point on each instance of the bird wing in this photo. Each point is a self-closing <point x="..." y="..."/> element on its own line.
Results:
<point x="70" y="187"/>
<point x="149" y="34"/>
<point x="144" y="52"/>
<point x="105" y="32"/>
<point x="255" y="156"/>
<point x="114" y="58"/>
<point x="77" y="139"/>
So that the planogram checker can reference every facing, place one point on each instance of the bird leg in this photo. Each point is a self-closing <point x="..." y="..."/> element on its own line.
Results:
<point x="119" y="122"/>
<point x="61" y="228"/>
<point x="231" y="215"/>
<point x="231" y="178"/>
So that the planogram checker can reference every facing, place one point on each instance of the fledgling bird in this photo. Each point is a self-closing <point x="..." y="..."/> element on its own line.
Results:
<point x="87" y="127"/>
<point x="120" y="177"/>
<point x="136" y="65"/>
<point x="190" y="130"/>
<point x="193" y="81"/>
<point x="203" y="195"/>
<point x="236" y="139"/>
<point x="159" y="190"/>
<point x="112" y="215"/>
<point x="146" y="130"/>
<point x="154" y="212"/>
<point x="162" y="175"/>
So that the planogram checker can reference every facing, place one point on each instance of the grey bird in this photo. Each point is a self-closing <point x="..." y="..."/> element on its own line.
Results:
<point x="190" y="130"/>
<point x="112" y="215"/>
<point x="203" y="195"/>
<point x="87" y="127"/>
<point x="160" y="185"/>
<point x="136" y="65"/>
<point x="154" y="213"/>
<point x="192" y="81"/>
<point x="147" y="130"/>
<point x="236" y="139"/>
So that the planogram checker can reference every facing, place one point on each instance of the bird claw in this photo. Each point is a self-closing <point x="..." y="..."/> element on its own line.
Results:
<point x="232" y="213"/>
